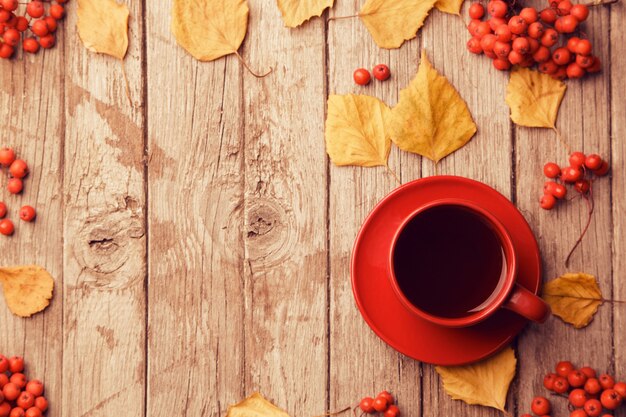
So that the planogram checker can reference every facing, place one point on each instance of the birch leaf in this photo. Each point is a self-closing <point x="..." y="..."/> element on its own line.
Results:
<point x="534" y="98"/>
<point x="296" y="12"/>
<point x="574" y="298"/>
<point x="431" y="118"/>
<point x="27" y="289"/>
<point x="483" y="383"/>
<point x="391" y="22"/>
<point x="103" y="26"/>
<point x="356" y="132"/>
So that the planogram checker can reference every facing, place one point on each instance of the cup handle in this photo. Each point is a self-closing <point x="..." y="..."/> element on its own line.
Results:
<point x="527" y="304"/>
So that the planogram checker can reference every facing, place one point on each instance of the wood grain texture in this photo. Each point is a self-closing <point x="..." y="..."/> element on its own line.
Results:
<point x="31" y="108"/>
<point x="285" y="221"/>
<point x="196" y="300"/>
<point x="104" y="225"/>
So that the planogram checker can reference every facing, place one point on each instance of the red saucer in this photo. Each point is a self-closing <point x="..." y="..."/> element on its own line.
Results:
<point x="386" y="315"/>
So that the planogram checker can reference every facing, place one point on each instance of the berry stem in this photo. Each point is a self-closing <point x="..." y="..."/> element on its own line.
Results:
<point x="249" y="69"/>
<point x="334" y="413"/>
<point x="342" y="17"/>
<point x="590" y="206"/>
<point x="126" y="84"/>
<point x="393" y="174"/>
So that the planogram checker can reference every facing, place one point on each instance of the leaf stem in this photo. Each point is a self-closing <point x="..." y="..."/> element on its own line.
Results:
<point x="126" y="84"/>
<point x="604" y="300"/>
<point x="334" y="413"/>
<point x="560" y="138"/>
<point x="590" y="206"/>
<point x="393" y="174"/>
<point x="349" y="17"/>
<point x="601" y="3"/>
<point x="250" y="69"/>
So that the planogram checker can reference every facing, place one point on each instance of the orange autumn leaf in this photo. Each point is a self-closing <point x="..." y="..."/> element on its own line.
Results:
<point x="449" y="6"/>
<point x="574" y="297"/>
<point x="356" y="130"/>
<point x="296" y="12"/>
<point x="431" y="118"/>
<point x="255" y="406"/>
<point x="103" y="26"/>
<point x="27" y="289"/>
<point x="534" y="98"/>
<point x="391" y="22"/>
<point x="484" y="383"/>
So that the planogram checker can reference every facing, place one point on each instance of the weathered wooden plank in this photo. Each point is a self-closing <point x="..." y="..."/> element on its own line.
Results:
<point x="195" y="338"/>
<point x="557" y="230"/>
<point x="285" y="212"/>
<point x="31" y="107"/>
<point x="104" y="224"/>
<point x="361" y="364"/>
<point x="486" y="158"/>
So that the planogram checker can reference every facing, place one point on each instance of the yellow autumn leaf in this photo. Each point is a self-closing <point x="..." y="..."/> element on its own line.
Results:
<point x="534" y="98"/>
<point x="574" y="297"/>
<point x="449" y="6"/>
<point x="391" y="22"/>
<point x="27" y="289"/>
<point x="103" y="26"/>
<point x="356" y="131"/>
<point x="255" y="406"/>
<point x="431" y="118"/>
<point x="483" y="383"/>
<point x="209" y="30"/>
<point x="296" y="12"/>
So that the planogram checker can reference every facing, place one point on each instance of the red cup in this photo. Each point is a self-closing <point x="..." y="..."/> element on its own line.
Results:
<point x="507" y="295"/>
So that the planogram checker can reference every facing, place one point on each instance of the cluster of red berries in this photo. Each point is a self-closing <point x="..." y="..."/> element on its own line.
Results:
<point x="579" y="165"/>
<point x="35" y="27"/>
<point x="383" y="403"/>
<point x="530" y="37"/>
<point x="18" y="169"/>
<point x="362" y="76"/>
<point x="19" y="397"/>
<point x="589" y="395"/>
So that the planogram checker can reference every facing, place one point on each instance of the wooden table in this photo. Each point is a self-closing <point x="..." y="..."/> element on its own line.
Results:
<point x="200" y="239"/>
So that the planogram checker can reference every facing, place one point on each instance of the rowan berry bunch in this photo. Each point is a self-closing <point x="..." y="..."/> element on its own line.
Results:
<point x="383" y="403"/>
<point x="579" y="173"/>
<point x="18" y="170"/>
<point x="33" y="25"/>
<point x="546" y="38"/>
<point x="19" y="397"/>
<point x="588" y="395"/>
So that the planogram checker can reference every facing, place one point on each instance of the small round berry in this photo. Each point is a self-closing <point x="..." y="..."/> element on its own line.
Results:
<point x="21" y="24"/>
<point x="503" y="33"/>
<point x="521" y="45"/>
<point x="548" y="67"/>
<point x="502" y="49"/>
<point x="16" y="364"/>
<point x="380" y="404"/>
<point x="11" y="37"/>
<point x="577" y="159"/>
<point x="6" y="51"/>
<point x="51" y="23"/>
<point x="18" y="168"/>
<point x="516" y="58"/>
<point x="488" y="42"/>
<point x="571" y="44"/>
<point x="561" y="56"/>
<point x="559" y="191"/>
<point x="471" y="27"/>
<point x="560" y="74"/>
<point x="563" y="7"/>
<point x="550" y="38"/>
<point x="28" y="214"/>
<point x="33" y="412"/>
<point x="583" y="47"/>
<point x="542" y="54"/>
<point x="540" y="406"/>
<point x="17" y="412"/>
<point x="529" y="14"/>
<point x="35" y="387"/>
<point x="610" y="399"/>
<point x="584" y="61"/>
<point x="39" y="28"/>
<point x="576" y="378"/>
<point x="580" y="12"/>
<point x="361" y="76"/>
<point x="366" y="405"/>
<point x="568" y="24"/>
<point x="606" y="381"/>
<point x="5" y="409"/>
<point x="30" y="45"/>
<point x="548" y="381"/>
<point x="593" y="161"/>
<point x="3" y="210"/>
<point x="593" y="408"/>
<point x="10" y="5"/>
<point x="547" y="202"/>
<point x="561" y="385"/>
<point x="381" y="72"/>
<point x="518" y="25"/>
<point x="392" y="411"/>
<point x="473" y="45"/>
<point x="18" y="379"/>
<point x="578" y="397"/>
<point x="571" y="174"/>
<point x="596" y="66"/>
<point x="501" y="64"/>
<point x="482" y="29"/>
<point x="497" y="8"/>
<point x="578" y="413"/>
<point x="535" y="30"/>
<point x="592" y="386"/>
<point x="7" y="156"/>
<point x="10" y="390"/>
<point x="548" y="15"/>
<point x="575" y="71"/>
<point x="35" y="9"/>
<point x="47" y="41"/>
<point x="386" y="395"/>
<point x="496" y="22"/>
<point x="41" y="403"/>
<point x="582" y="186"/>
<point x="602" y="171"/>
<point x="620" y="387"/>
<point x="15" y="185"/>
<point x="26" y="400"/>
<point x="476" y="11"/>
<point x="6" y="228"/>
<point x="4" y="363"/>
<point x="56" y="11"/>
